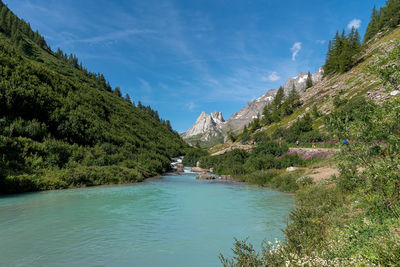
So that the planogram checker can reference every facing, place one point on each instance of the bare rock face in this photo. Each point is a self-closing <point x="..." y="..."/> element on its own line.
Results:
<point x="300" y="80"/>
<point x="206" y="127"/>
<point x="251" y="111"/>
<point x="255" y="108"/>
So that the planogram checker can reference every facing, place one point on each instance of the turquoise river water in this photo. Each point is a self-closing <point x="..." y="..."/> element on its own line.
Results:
<point x="172" y="221"/>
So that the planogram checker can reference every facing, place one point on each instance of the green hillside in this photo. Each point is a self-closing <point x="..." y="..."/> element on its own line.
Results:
<point x="346" y="166"/>
<point x="62" y="126"/>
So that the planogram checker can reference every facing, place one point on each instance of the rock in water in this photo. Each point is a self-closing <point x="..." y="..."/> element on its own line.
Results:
<point x="205" y="176"/>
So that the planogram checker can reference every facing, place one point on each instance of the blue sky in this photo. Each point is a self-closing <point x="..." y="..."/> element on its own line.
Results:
<point x="183" y="57"/>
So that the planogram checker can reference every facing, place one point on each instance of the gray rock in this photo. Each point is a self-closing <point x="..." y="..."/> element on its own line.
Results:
<point x="291" y="169"/>
<point x="225" y="177"/>
<point x="395" y="92"/>
<point x="206" y="126"/>
<point x="205" y="176"/>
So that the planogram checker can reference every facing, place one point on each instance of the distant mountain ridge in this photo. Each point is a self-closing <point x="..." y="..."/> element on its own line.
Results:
<point x="211" y="128"/>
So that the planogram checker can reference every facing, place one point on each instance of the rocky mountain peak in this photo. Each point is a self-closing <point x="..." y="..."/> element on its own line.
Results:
<point x="206" y="126"/>
<point x="217" y="117"/>
<point x="300" y="80"/>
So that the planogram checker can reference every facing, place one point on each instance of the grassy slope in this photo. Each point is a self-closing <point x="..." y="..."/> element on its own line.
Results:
<point x="332" y="226"/>
<point x="84" y="135"/>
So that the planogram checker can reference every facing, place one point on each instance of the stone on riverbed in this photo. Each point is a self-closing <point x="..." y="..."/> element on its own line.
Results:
<point x="205" y="176"/>
<point x="225" y="177"/>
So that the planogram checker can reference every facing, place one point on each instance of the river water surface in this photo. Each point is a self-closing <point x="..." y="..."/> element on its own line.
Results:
<point x="172" y="221"/>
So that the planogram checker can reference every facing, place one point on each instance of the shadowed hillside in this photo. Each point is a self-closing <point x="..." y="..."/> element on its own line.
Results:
<point x="62" y="126"/>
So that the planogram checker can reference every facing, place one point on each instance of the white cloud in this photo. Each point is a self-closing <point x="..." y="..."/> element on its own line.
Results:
<point x="295" y="50"/>
<point x="272" y="77"/>
<point x="191" y="106"/>
<point x="320" y="42"/>
<point x="356" y="23"/>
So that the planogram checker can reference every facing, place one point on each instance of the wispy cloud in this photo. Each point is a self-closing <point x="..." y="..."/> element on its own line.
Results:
<point x="191" y="106"/>
<point x="113" y="36"/>
<point x="320" y="42"/>
<point x="145" y="86"/>
<point x="272" y="77"/>
<point x="295" y="50"/>
<point x="355" y="23"/>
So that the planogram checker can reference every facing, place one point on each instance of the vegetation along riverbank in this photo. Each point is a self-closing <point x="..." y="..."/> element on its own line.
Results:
<point x="347" y="199"/>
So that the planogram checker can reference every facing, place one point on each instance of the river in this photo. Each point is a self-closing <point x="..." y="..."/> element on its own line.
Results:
<point x="172" y="221"/>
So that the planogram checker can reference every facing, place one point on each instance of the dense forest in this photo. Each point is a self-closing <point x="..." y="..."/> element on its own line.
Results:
<point x="62" y="126"/>
<point x="385" y="19"/>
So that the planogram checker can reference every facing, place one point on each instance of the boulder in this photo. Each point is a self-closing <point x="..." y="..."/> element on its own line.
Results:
<point x="225" y="177"/>
<point x="198" y="164"/>
<point x="395" y="92"/>
<point x="205" y="176"/>
<point x="179" y="169"/>
<point x="291" y="169"/>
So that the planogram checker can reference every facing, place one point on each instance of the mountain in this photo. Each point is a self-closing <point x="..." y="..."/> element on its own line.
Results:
<point x="208" y="130"/>
<point x="62" y="126"/>
<point x="207" y="127"/>
<point x="300" y="80"/>
<point x="251" y="111"/>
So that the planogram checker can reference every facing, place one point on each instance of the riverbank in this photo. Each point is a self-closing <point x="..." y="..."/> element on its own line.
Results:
<point x="79" y="177"/>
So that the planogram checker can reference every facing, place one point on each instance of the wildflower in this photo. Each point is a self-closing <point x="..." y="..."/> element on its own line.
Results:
<point x="389" y="205"/>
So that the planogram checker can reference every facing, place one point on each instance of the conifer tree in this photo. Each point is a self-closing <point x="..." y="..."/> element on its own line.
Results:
<point x="128" y="98"/>
<point x="117" y="91"/>
<point x="279" y="97"/>
<point x="373" y="26"/>
<point x="309" y="82"/>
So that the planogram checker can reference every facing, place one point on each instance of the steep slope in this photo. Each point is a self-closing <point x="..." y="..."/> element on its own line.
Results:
<point x="206" y="128"/>
<point x="251" y="111"/>
<point x="333" y="92"/>
<point x="62" y="126"/>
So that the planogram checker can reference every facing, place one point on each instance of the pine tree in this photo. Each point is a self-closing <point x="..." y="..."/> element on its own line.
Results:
<point x="279" y="97"/>
<point x="309" y="82"/>
<point x="267" y="115"/>
<point x="315" y="112"/>
<point x="373" y="26"/>
<point x="245" y="136"/>
<point x="139" y="105"/>
<point x="127" y="98"/>
<point x="117" y="91"/>
<point x="342" y="52"/>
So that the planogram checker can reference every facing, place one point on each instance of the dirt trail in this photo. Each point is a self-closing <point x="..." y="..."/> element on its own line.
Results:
<point x="323" y="173"/>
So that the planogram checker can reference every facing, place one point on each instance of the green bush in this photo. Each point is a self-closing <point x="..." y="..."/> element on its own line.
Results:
<point x="193" y="156"/>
